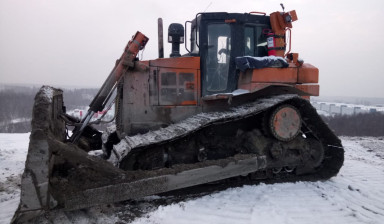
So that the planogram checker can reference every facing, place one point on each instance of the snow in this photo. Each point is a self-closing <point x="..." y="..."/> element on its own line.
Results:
<point x="47" y="92"/>
<point x="249" y="62"/>
<point x="14" y="121"/>
<point x="237" y="92"/>
<point x="13" y="152"/>
<point x="356" y="195"/>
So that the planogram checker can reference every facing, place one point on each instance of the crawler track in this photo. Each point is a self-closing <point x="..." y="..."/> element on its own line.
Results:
<point x="186" y="138"/>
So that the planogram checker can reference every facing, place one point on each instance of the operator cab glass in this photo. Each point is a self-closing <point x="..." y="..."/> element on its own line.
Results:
<point x="255" y="41"/>
<point x="218" y="38"/>
<point x="218" y="57"/>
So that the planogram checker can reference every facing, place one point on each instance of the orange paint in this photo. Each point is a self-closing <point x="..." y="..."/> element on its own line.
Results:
<point x="279" y="26"/>
<point x="190" y="85"/>
<point x="178" y="80"/>
<point x="286" y="123"/>
<point x="190" y="102"/>
<point x="255" y="78"/>
<point x="308" y="74"/>
<point x="280" y="75"/>
<point x="312" y="90"/>
<point x="230" y="21"/>
<point x="179" y="62"/>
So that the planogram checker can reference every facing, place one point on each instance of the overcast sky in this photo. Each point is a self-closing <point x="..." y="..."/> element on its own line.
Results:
<point x="76" y="42"/>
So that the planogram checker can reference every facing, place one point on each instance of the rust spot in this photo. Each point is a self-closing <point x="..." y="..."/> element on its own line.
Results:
<point x="189" y="86"/>
<point x="189" y="102"/>
<point x="230" y="20"/>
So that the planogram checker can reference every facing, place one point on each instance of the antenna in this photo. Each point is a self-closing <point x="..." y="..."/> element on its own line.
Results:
<point x="282" y="6"/>
<point x="208" y="6"/>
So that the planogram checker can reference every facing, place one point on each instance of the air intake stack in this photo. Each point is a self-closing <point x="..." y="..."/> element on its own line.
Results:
<point x="176" y="37"/>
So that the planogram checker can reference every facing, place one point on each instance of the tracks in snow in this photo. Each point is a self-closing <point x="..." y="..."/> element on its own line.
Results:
<point x="356" y="195"/>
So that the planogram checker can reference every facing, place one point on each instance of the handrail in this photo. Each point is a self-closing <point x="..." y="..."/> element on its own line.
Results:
<point x="289" y="31"/>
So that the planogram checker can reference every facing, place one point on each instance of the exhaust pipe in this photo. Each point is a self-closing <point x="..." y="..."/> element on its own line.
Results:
<point x="160" y="37"/>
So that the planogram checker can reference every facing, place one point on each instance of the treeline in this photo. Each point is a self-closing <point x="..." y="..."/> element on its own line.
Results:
<point x="367" y="124"/>
<point x="75" y="98"/>
<point x="16" y="105"/>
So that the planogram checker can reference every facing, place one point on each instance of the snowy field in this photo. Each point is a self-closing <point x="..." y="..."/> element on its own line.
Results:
<point x="356" y="195"/>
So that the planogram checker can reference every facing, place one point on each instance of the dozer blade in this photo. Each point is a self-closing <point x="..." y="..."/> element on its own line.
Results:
<point x="61" y="176"/>
<point x="46" y="128"/>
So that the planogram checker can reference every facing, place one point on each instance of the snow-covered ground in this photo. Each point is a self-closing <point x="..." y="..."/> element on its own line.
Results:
<point x="356" y="195"/>
<point x="13" y="152"/>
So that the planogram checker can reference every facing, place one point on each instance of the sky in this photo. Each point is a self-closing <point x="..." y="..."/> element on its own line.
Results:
<point x="76" y="42"/>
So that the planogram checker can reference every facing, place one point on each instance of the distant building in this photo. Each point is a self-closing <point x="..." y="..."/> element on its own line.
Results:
<point x="345" y="109"/>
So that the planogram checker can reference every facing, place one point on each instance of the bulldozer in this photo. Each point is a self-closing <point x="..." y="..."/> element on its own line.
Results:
<point x="235" y="105"/>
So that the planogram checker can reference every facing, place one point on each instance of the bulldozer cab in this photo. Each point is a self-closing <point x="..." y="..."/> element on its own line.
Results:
<point x="218" y="38"/>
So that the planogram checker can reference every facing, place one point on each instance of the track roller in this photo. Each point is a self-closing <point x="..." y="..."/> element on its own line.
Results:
<point x="285" y="122"/>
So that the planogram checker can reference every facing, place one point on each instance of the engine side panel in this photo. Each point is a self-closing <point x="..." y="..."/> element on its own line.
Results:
<point x="167" y="92"/>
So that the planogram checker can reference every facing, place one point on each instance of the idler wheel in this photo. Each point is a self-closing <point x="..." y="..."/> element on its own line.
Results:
<point x="285" y="123"/>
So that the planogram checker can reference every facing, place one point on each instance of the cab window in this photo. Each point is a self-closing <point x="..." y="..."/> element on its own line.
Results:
<point x="218" y="57"/>
<point x="255" y="42"/>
